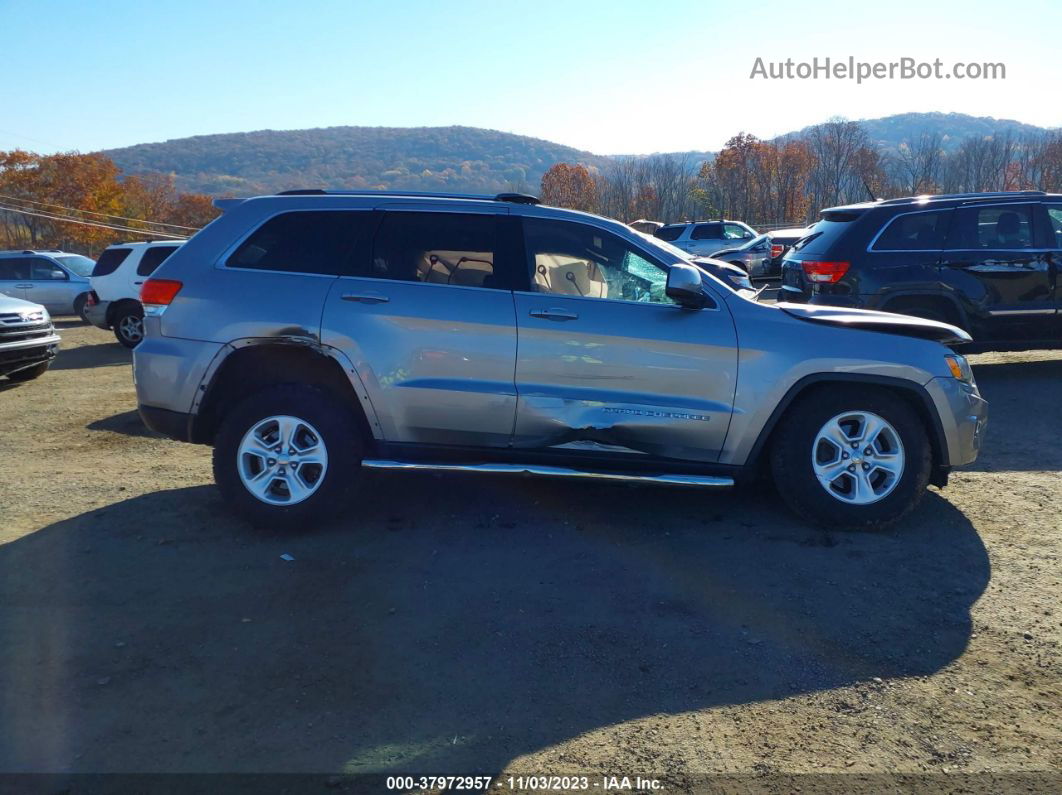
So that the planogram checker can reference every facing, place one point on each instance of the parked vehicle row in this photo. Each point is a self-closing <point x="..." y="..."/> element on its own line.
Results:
<point x="28" y="341"/>
<point x="57" y="280"/>
<point x="761" y="257"/>
<point x="311" y="335"/>
<point x="120" y="272"/>
<point x="986" y="262"/>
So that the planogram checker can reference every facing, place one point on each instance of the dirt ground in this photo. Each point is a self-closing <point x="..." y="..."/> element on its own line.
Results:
<point x="455" y="624"/>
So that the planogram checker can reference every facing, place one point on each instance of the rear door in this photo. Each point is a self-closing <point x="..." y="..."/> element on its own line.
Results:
<point x="427" y="318"/>
<point x="1053" y="228"/>
<point x="607" y="362"/>
<point x="998" y="258"/>
<point x="14" y="273"/>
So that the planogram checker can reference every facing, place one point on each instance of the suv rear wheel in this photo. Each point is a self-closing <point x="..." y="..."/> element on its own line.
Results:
<point x="129" y="325"/>
<point x="288" y="456"/>
<point x="851" y="457"/>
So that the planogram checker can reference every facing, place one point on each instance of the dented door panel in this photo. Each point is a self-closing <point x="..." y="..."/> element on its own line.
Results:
<point x="646" y="378"/>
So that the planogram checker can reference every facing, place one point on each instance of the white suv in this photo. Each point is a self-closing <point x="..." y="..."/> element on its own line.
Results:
<point x="114" y="301"/>
<point x="704" y="238"/>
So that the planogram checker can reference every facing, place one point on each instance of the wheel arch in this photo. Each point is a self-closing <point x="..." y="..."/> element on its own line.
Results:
<point x="915" y="395"/>
<point x="944" y="298"/>
<point x="114" y="307"/>
<point x="246" y="366"/>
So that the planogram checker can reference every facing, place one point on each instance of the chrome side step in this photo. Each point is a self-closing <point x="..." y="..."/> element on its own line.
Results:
<point x="702" y="481"/>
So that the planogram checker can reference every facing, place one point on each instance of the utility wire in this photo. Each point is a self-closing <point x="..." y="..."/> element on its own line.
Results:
<point x="90" y="212"/>
<point x="61" y="219"/>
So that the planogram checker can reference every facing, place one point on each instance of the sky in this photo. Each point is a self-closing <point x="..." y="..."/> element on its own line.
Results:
<point x="607" y="77"/>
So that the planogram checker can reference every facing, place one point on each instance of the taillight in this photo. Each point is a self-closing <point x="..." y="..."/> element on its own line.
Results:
<point x="824" y="272"/>
<point x="157" y="294"/>
<point x="776" y="250"/>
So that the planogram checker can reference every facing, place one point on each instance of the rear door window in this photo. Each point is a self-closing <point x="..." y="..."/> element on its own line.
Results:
<point x="994" y="227"/>
<point x="915" y="232"/>
<point x="152" y="258"/>
<point x="311" y="241"/>
<point x="457" y="249"/>
<point x="110" y="260"/>
<point x="14" y="268"/>
<point x="707" y="232"/>
<point x="669" y="233"/>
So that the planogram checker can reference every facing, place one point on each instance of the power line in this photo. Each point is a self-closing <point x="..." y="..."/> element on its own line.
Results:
<point x="90" y="212"/>
<point x="61" y="219"/>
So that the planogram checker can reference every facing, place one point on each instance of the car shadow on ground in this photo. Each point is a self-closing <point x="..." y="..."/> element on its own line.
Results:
<point x="449" y="624"/>
<point x="68" y="322"/>
<point x="1023" y="416"/>
<point x="87" y="356"/>
<point x="127" y="423"/>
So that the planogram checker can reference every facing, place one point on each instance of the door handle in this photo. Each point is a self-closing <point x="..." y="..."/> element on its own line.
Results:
<point x="365" y="298"/>
<point x="554" y="314"/>
<point x="137" y="284"/>
<point x="24" y="286"/>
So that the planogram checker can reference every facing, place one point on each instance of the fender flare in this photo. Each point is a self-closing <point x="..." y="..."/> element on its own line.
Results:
<point x="937" y="439"/>
<point x="209" y="378"/>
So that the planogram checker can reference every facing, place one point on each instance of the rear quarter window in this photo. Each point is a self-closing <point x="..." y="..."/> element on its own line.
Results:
<point x="306" y="241"/>
<point x="828" y="232"/>
<point x="109" y="261"/>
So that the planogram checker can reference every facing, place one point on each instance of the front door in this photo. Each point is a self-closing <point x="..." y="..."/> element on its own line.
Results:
<point x="49" y="285"/>
<point x="607" y="362"/>
<point x="427" y="319"/>
<point x="994" y="253"/>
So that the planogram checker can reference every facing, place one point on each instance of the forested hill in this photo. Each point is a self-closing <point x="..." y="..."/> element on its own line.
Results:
<point x="417" y="158"/>
<point x="434" y="158"/>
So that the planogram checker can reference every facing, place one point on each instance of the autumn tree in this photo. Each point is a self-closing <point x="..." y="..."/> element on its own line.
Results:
<point x="569" y="185"/>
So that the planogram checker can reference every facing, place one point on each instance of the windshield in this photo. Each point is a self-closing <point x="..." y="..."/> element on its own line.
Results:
<point x="82" y="266"/>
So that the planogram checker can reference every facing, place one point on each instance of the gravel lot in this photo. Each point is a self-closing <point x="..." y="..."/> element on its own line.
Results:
<point x="468" y="625"/>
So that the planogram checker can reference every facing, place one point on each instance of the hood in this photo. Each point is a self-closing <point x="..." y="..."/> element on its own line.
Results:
<point x="9" y="304"/>
<point x="724" y="251"/>
<point x="883" y="322"/>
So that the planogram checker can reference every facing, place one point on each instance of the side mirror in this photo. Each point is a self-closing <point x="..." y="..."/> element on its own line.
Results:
<point x="57" y="274"/>
<point x="748" y="236"/>
<point x="684" y="286"/>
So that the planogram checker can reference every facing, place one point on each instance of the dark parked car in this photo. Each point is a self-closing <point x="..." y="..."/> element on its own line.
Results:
<point x="986" y="262"/>
<point x="781" y="241"/>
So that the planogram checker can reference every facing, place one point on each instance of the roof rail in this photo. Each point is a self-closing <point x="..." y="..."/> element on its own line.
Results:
<point x="515" y="198"/>
<point x="972" y="196"/>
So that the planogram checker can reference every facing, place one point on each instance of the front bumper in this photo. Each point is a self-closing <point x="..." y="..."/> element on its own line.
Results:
<point x="27" y="345"/>
<point x="97" y="314"/>
<point x="963" y="417"/>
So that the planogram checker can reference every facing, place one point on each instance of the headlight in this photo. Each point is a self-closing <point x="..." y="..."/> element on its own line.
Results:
<point x="960" y="368"/>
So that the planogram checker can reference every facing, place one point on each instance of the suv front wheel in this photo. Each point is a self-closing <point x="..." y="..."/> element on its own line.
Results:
<point x="851" y="457"/>
<point x="288" y="456"/>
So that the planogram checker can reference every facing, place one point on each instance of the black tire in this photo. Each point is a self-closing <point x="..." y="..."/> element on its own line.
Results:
<point x="29" y="373"/>
<point x="128" y="325"/>
<point x="794" y="475"/>
<point x="338" y="429"/>
<point x="79" y="307"/>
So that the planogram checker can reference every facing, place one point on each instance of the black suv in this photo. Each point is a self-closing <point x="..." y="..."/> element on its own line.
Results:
<point x="987" y="262"/>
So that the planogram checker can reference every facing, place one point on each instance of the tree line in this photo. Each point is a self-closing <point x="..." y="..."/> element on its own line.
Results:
<point x="788" y="180"/>
<point x="82" y="203"/>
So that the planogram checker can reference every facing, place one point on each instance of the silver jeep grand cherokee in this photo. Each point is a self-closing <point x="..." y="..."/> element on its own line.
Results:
<point x="312" y="334"/>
